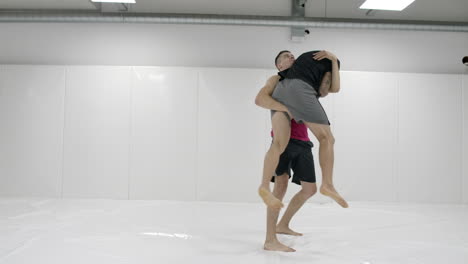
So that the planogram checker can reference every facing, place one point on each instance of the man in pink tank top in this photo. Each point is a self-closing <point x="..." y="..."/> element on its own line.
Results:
<point x="297" y="158"/>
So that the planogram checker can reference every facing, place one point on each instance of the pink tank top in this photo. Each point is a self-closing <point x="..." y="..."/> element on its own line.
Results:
<point x="298" y="131"/>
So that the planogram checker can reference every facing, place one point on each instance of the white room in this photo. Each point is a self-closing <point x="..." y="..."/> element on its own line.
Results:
<point x="131" y="133"/>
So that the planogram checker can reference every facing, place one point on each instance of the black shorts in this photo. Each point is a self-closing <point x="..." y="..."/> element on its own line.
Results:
<point x="298" y="158"/>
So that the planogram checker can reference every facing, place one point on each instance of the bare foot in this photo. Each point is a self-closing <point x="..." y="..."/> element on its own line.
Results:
<point x="286" y="231"/>
<point x="332" y="193"/>
<point x="277" y="246"/>
<point x="269" y="199"/>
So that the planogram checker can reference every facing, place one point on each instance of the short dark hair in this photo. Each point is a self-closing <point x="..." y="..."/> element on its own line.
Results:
<point x="279" y="54"/>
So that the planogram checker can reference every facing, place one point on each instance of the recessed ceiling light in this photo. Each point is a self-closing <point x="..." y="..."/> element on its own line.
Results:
<point x="115" y="1"/>
<point x="394" y="5"/>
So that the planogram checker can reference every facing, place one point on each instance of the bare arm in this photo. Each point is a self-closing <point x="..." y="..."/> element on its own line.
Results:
<point x="264" y="98"/>
<point x="335" y="73"/>
<point x="325" y="85"/>
<point x="335" y="76"/>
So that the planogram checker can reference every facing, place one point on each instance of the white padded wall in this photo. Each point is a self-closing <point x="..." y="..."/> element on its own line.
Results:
<point x="231" y="134"/>
<point x="429" y="138"/>
<point x="196" y="134"/>
<point x="97" y="123"/>
<point x="164" y="133"/>
<point x="365" y="134"/>
<point x="465" y="137"/>
<point x="31" y="131"/>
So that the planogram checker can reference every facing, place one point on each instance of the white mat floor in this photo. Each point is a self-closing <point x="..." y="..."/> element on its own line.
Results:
<point x="136" y="232"/>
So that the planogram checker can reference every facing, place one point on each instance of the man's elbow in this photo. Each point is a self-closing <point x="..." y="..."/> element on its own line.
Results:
<point x="258" y="101"/>
<point x="334" y="90"/>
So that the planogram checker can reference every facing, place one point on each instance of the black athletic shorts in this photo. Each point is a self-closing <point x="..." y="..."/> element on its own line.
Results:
<point x="298" y="158"/>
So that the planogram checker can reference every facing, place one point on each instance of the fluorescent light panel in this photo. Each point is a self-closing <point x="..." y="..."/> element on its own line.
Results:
<point x="115" y="1"/>
<point x="394" y="5"/>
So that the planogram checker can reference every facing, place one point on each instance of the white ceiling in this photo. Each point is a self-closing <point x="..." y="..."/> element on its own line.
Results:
<point x="430" y="10"/>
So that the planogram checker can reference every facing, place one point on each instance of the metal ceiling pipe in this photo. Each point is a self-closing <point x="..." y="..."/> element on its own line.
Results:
<point x="67" y="16"/>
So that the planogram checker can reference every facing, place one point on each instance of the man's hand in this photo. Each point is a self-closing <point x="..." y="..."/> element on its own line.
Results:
<point x="323" y="93"/>
<point x="264" y="99"/>
<point x="324" y="55"/>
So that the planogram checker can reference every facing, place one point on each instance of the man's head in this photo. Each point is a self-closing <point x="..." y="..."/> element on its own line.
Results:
<point x="284" y="60"/>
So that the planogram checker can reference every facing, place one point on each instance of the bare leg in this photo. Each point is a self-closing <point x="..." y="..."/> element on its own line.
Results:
<point x="271" y="241"/>
<point x="282" y="131"/>
<point x="307" y="191"/>
<point x="326" y="158"/>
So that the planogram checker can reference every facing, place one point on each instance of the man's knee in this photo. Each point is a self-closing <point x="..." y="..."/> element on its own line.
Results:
<point x="326" y="137"/>
<point x="281" y="185"/>
<point x="282" y="181"/>
<point x="279" y="145"/>
<point x="282" y="131"/>
<point x="308" y="190"/>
